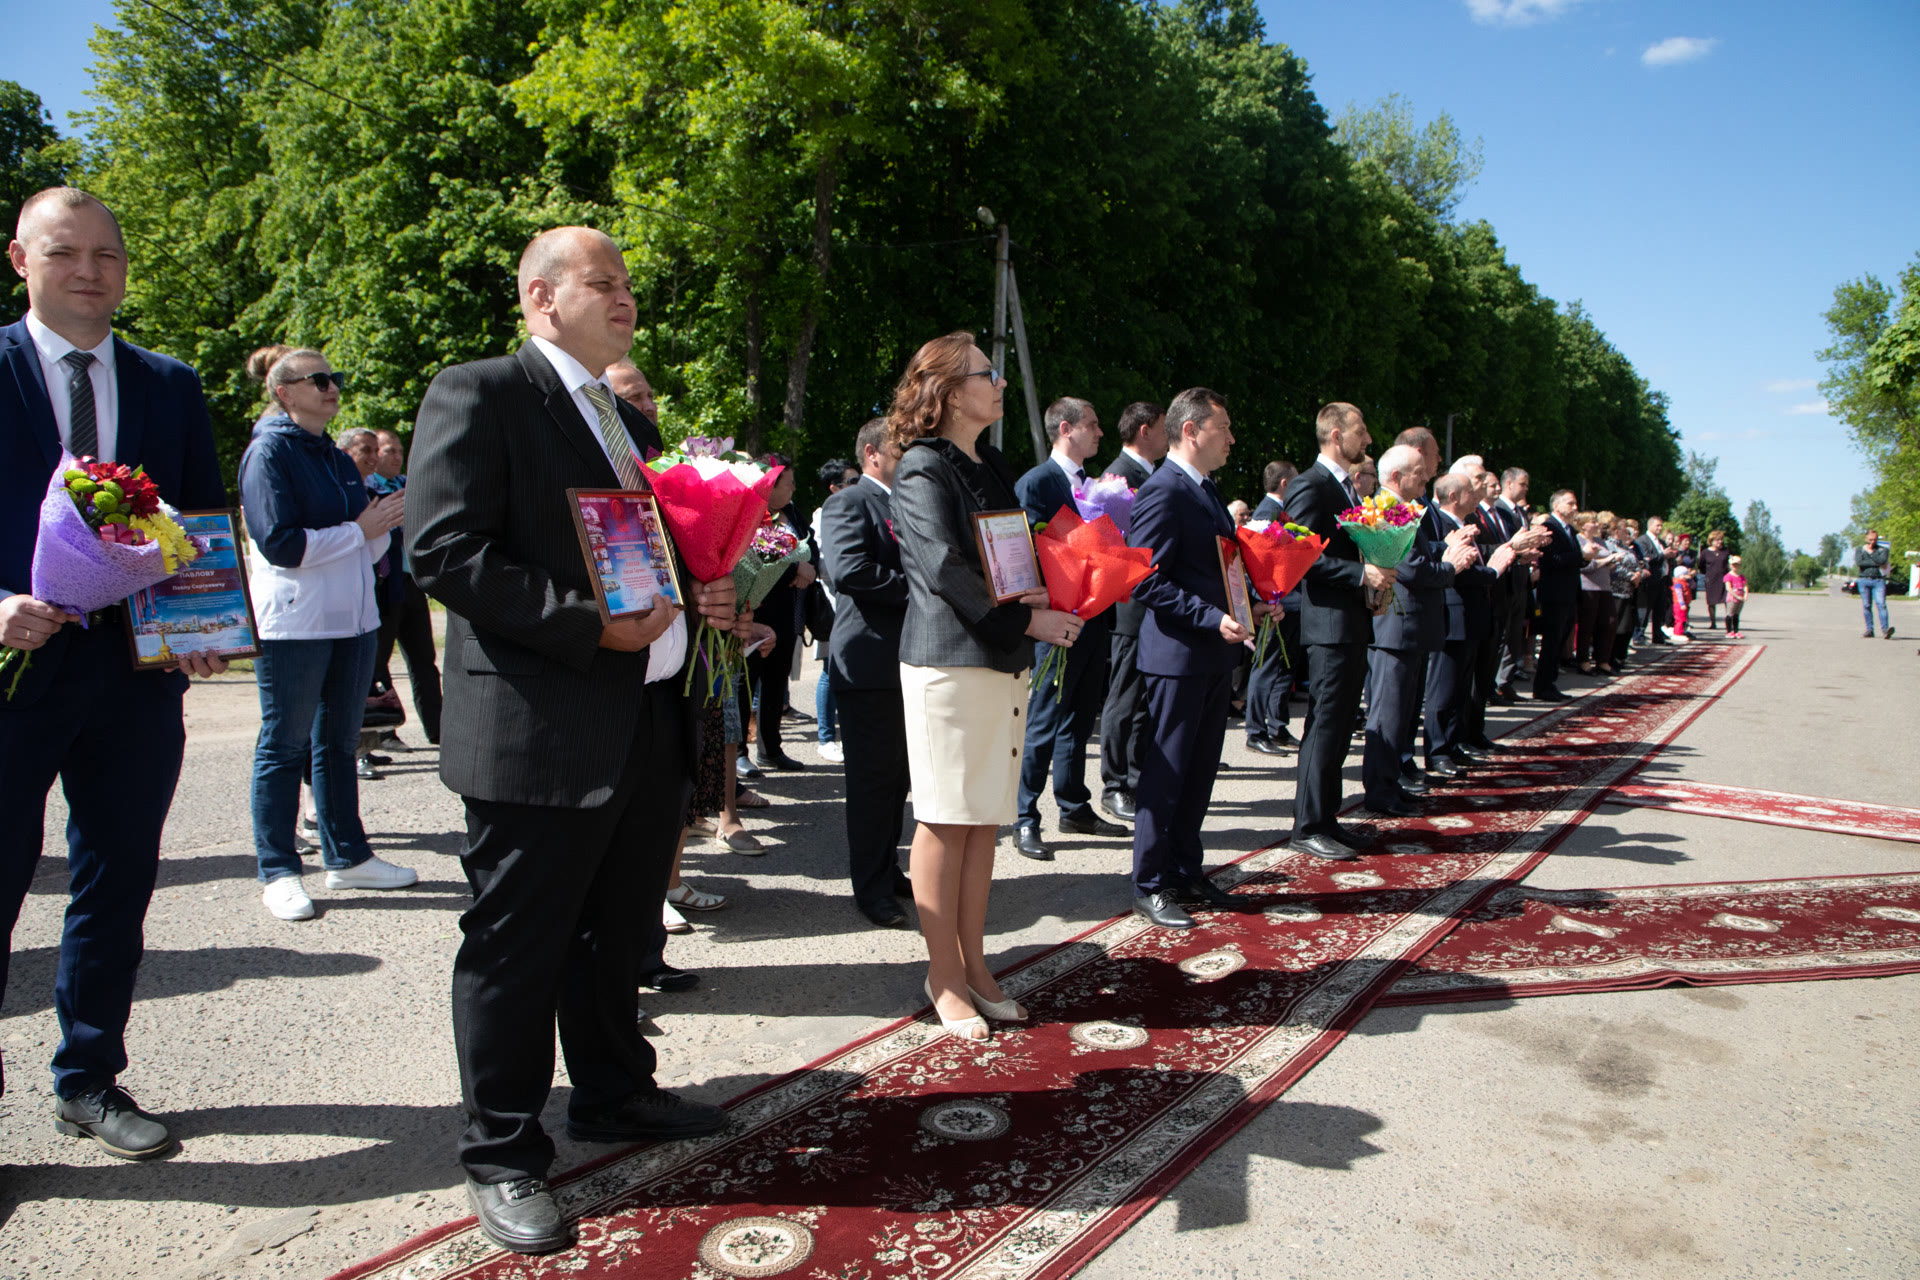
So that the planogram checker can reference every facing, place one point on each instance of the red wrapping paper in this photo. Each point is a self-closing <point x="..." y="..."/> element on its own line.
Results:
<point x="1087" y="564"/>
<point x="1276" y="562"/>
<point x="712" y="519"/>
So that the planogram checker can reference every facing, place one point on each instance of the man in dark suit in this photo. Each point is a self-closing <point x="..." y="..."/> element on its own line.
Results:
<point x="1270" y="691"/>
<point x="1559" y="593"/>
<point x="1341" y="592"/>
<point x="1510" y="628"/>
<point x="67" y="382"/>
<point x="567" y="738"/>
<point x="1060" y="719"/>
<point x="1123" y="718"/>
<point x="1405" y="636"/>
<point x="1494" y="530"/>
<point x="1189" y="647"/>
<point x="862" y="561"/>
<point x="1655" y="589"/>
<point x="1454" y="730"/>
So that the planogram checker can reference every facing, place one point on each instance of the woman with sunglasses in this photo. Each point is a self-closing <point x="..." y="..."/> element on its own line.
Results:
<point x="315" y="538"/>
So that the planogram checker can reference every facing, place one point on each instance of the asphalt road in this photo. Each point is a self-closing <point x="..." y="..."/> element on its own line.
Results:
<point x="1748" y="1131"/>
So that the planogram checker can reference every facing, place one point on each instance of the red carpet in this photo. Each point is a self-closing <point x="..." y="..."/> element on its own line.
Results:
<point x="1543" y="942"/>
<point x="911" y="1154"/>
<point x="1848" y="817"/>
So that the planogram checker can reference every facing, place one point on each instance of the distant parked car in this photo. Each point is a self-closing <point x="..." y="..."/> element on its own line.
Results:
<point x="1895" y="586"/>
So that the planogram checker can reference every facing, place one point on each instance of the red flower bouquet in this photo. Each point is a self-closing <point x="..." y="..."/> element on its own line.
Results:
<point x="1088" y="568"/>
<point x="1277" y="556"/>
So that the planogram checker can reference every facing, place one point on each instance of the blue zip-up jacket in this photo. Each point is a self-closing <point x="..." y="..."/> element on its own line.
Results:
<point x="313" y="568"/>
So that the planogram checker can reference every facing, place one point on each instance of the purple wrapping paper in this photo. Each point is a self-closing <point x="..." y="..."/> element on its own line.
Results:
<point x="73" y="568"/>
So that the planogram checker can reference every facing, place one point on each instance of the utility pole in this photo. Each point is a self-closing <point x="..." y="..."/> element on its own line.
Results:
<point x="1006" y="299"/>
<point x="1450" y="418"/>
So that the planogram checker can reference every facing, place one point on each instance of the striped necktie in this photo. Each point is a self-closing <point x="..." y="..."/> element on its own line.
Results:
<point x="619" y="447"/>
<point x="83" y="439"/>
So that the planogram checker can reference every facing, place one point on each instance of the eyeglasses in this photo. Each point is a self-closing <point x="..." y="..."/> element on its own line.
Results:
<point x="990" y="373"/>
<point x="320" y="380"/>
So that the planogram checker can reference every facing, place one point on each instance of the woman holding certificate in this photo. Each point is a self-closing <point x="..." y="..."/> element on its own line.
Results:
<point x="965" y="647"/>
<point x="315" y="539"/>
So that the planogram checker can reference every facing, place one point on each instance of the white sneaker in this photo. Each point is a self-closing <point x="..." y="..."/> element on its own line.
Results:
<point x="831" y="751"/>
<point x="673" y="920"/>
<point x="371" y="874"/>
<point x="287" y="899"/>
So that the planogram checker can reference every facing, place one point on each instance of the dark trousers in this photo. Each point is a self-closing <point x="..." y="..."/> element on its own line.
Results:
<point x="1123" y="719"/>
<point x="1482" y="673"/>
<point x="407" y="620"/>
<point x="1449" y="677"/>
<point x="1335" y="674"/>
<point x="1271" y="688"/>
<point x="1059" y="722"/>
<point x="1393" y="698"/>
<point x="1187" y="726"/>
<point x="114" y="737"/>
<point x="1556" y="623"/>
<point x="873" y="733"/>
<point x="566" y="904"/>
<point x="771" y="669"/>
<point x="1510" y="630"/>
<point x="1656" y="602"/>
<point x="1596" y="626"/>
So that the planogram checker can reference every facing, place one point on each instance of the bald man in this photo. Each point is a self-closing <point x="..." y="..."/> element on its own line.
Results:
<point x="566" y="735"/>
<point x="67" y="383"/>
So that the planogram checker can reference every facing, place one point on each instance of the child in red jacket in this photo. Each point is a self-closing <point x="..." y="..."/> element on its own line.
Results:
<point x="1682" y="600"/>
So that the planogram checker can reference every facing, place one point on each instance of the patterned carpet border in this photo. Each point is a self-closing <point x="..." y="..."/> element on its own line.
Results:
<point x="1201" y="1030"/>
<point x="1775" y="808"/>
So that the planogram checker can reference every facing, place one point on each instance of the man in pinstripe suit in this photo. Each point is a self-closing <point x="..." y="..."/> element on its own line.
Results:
<point x="569" y="739"/>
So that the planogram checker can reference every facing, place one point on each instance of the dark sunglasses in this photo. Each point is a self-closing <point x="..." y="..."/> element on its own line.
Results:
<point x="320" y="380"/>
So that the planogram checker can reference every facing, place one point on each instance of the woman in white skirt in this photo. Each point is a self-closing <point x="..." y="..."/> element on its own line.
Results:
<point x="963" y="664"/>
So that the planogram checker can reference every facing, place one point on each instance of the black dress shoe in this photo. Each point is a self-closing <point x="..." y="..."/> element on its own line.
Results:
<point x="1441" y="767"/>
<point x="1161" y="909"/>
<point x="1091" y="824"/>
<point x="1322" y="847"/>
<point x="1488" y="747"/>
<point x="1205" y="890"/>
<point x="1504" y="696"/>
<point x="113" y="1119"/>
<point x="1027" y="841"/>
<point x="1119" y="805"/>
<point x="884" y="915"/>
<point x="1414" y="784"/>
<point x="375" y="758"/>
<point x="777" y="760"/>
<point x="363" y="769"/>
<point x="1389" y="807"/>
<point x="1265" y="746"/>
<point x="902" y="886"/>
<point x="520" y="1215"/>
<point x="1470" y="755"/>
<point x="1284" y="737"/>
<point x="645" y="1117"/>
<point x="668" y="978"/>
<point x="1352" y="837"/>
<point x="1550" y="695"/>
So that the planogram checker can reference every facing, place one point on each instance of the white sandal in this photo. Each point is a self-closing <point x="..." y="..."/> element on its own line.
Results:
<point x="972" y="1029"/>
<point x="672" y="921"/>
<point x="685" y="895"/>
<point x="1008" y="1010"/>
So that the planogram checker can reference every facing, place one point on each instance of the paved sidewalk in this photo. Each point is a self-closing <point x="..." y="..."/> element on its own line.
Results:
<point x="1749" y="1131"/>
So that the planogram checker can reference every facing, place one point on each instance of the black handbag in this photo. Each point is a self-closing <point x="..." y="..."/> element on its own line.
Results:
<point x="819" y="613"/>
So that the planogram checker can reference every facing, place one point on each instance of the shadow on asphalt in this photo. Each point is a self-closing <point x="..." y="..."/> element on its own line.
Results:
<point x="179" y="973"/>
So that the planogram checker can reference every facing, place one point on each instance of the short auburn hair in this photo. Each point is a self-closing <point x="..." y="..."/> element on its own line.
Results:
<point x="936" y="371"/>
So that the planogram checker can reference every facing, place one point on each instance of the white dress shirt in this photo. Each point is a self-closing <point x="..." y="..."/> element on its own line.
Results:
<point x="882" y="485"/>
<point x="52" y="349"/>
<point x="668" y="653"/>
<point x="1197" y="476"/>
<point x="1148" y="467"/>
<point x="1073" y="470"/>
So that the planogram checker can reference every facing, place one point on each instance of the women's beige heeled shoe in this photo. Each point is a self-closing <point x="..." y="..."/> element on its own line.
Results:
<point x="974" y="1028"/>
<point x="998" y="1010"/>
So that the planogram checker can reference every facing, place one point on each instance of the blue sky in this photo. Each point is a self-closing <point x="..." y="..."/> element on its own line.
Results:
<point x="1699" y="175"/>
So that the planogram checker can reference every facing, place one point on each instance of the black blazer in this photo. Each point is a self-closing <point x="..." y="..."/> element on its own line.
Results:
<point x="1128" y="614"/>
<point x="1420" y="588"/>
<point x="870" y="587"/>
<point x="1334" y="610"/>
<point x="1043" y="490"/>
<point x="1560" y="565"/>
<point x="951" y="619"/>
<point x="1186" y="596"/>
<point x="1470" y="594"/>
<point x="784" y="609"/>
<point x="536" y="712"/>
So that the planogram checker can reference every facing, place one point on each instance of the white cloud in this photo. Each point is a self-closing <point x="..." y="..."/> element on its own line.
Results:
<point x="1517" y="13"/>
<point x="1675" y="50"/>
<point x="1781" y="386"/>
<point x="1811" y="406"/>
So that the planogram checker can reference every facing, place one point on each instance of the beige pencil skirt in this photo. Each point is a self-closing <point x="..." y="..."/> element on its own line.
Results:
<point x="965" y="726"/>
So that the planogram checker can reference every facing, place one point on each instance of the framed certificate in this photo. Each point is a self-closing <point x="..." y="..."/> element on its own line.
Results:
<point x="1006" y="550"/>
<point x="626" y="549"/>
<point x="206" y="606"/>
<point x="1233" y="572"/>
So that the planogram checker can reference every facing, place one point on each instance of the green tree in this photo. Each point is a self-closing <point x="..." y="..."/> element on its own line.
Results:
<point x="1765" y="558"/>
<point x="1804" y="570"/>
<point x="32" y="158"/>
<point x="1873" y="386"/>
<point x="1433" y="165"/>
<point x="1833" y="549"/>
<point x="1705" y="506"/>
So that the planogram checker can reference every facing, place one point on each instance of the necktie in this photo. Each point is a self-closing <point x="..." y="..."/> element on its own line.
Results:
<point x="1082" y="474"/>
<point x="619" y="447"/>
<point x="1213" y="491"/>
<point x="82" y="434"/>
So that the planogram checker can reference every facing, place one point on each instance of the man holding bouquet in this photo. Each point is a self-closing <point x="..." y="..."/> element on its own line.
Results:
<point x="569" y="739"/>
<point x="66" y="382"/>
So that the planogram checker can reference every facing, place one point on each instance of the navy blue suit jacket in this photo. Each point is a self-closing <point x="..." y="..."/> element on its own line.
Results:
<point x="1560" y="565"/>
<point x="162" y="425"/>
<point x="1470" y="594"/>
<point x="1420" y="622"/>
<point x="1176" y="519"/>
<point x="1043" y="491"/>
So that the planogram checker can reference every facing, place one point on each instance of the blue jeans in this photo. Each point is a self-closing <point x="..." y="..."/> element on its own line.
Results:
<point x="826" y="712"/>
<point x="313" y="694"/>
<point x="1873" y="590"/>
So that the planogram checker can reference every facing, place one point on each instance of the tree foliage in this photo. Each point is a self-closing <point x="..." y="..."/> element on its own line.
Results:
<point x="1705" y="505"/>
<point x="1433" y="165"/>
<point x="32" y="157"/>
<point x="1873" y="386"/>
<point x="1765" y="556"/>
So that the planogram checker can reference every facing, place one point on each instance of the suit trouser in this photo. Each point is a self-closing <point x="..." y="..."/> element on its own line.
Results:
<point x="1059" y="722"/>
<point x="563" y="901"/>
<point x="1625" y="626"/>
<point x="1272" y="686"/>
<point x="1187" y="719"/>
<point x="1449" y="675"/>
<point x="1335" y="673"/>
<point x="1482" y="674"/>
<point x="79" y="731"/>
<point x="1510" y="629"/>
<point x="1655" y="601"/>
<point x="1556" y="623"/>
<point x="770" y="670"/>
<point x="408" y="620"/>
<point x="873" y="724"/>
<point x="1123" y="719"/>
<point x="1393" y="679"/>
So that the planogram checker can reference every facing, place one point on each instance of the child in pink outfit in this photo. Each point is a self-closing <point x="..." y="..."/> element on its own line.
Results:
<point x="1682" y="599"/>
<point x="1736" y="596"/>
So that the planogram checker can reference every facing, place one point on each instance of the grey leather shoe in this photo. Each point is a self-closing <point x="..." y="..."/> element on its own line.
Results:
<point x="520" y="1215"/>
<point x="113" y="1119"/>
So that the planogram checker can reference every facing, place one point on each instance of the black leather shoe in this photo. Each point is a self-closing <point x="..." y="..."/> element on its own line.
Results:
<point x="1265" y="746"/>
<point x="1322" y="847"/>
<point x="1091" y="824"/>
<point x="1120" y="805"/>
<point x="1205" y="890"/>
<point x="1161" y="909"/>
<point x="1441" y="767"/>
<point x="1390" y="807"/>
<point x="1352" y="837"/>
<point x="1550" y="695"/>
<point x="1470" y="755"/>
<point x="520" y="1215"/>
<point x="1414" y="784"/>
<point x="374" y="758"/>
<point x="1488" y="747"/>
<point x="1027" y="841"/>
<point x="113" y="1119"/>
<point x="1284" y="737"/>
<point x="645" y="1117"/>
<point x="668" y="978"/>
<point x="777" y="760"/>
<point x="1503" y="696"/>
<point x="884" y="915"/>
<point x="363" y="769"/>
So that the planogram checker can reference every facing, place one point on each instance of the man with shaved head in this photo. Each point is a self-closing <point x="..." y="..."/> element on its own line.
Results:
<point x="68" y="383"/>
<point x="566" y="735"/>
